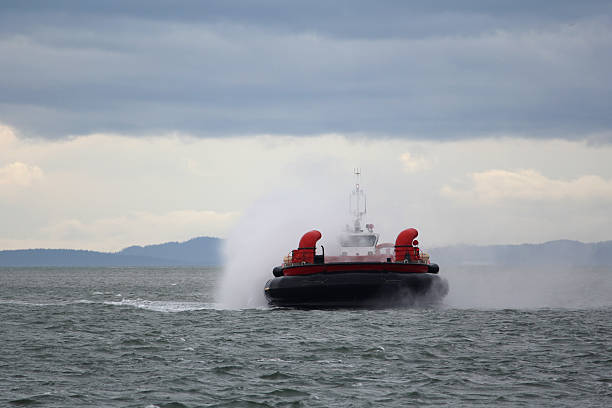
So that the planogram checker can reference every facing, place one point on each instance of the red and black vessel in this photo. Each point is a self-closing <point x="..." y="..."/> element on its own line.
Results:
<point x="308" y="280"/>
<point x="364" y="274"/>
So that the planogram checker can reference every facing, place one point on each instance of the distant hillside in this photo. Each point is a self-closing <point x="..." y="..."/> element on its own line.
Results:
<point x="202" y="251"/>
<point x="207" y="251"/>
<point x="196" y="251"/>
<point x="72" y="257"/>
<point x="553" y="253"/>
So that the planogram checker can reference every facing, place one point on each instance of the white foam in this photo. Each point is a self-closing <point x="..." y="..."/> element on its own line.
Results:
<point x="164" y="306"/>
<point x="153" y="305"/>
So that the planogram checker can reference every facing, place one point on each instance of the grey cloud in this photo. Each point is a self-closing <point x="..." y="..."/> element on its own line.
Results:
<point x="435" y="69"/>
<point x="350" y="18"/>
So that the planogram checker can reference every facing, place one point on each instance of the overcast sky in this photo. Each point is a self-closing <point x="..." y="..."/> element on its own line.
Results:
<point x="148" y="121"/>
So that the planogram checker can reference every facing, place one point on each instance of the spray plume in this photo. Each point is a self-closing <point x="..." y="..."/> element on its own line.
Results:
<point x="507" y="287"/>
<point x="268" y="231"/>
<point x="273" y="225"/>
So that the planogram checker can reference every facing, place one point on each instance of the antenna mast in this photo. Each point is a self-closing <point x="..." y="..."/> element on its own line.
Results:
<point x="355" y="201"/>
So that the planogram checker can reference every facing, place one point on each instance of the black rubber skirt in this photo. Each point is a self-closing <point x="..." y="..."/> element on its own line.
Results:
<point x="355" y="289"/>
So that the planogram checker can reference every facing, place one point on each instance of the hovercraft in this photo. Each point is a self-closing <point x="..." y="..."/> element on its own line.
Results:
<point x="364" y="274"/>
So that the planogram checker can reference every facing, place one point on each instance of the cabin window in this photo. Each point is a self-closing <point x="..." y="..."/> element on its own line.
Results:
<point x="358" y="241"/>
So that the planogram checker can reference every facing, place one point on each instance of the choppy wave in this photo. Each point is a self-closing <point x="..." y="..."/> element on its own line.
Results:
<point x="44" y="304"/>
<point x="74" y="343"/>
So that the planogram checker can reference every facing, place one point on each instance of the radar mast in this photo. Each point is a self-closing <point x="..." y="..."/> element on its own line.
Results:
<point x="355" y="202"/>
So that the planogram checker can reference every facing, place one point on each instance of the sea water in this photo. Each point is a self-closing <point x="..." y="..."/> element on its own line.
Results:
<point x="138" y="337"/>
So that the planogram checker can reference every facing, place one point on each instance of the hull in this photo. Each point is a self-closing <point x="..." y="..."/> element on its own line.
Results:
<point x="360" y="287"/>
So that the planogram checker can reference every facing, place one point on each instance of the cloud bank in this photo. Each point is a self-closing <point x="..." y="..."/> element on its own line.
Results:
<point x="20" y="174"/>
<point x="148" y="121"/>
<point x="107" y="191"/>
<point x="495" y="186"/>
<point x="401" y="69"/>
